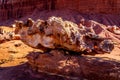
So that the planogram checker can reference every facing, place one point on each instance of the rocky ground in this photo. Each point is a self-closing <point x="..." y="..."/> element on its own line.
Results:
<point x="14" y="65"/>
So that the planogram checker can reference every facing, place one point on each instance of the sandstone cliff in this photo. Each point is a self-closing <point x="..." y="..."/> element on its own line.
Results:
<point x="90" y="6"/>
<point x="17" y="9"/>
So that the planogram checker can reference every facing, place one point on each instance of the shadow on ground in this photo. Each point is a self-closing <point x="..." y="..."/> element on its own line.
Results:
<point x="24" y="72"/>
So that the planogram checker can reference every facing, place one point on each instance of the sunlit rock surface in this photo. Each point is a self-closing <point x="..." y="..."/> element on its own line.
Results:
<point x="56" y="33"/>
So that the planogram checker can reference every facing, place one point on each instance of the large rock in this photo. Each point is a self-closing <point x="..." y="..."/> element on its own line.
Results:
<point x="55" y="33"/>
<point x="63" y="60"/>
<point x="74" y="66"/>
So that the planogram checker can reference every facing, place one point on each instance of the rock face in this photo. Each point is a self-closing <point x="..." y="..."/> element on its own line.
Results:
<point x="15" y="9"/>
<point x="56" y="33"/>
<point x="18" y="8"/>
<point x="90" y="6"/>
<point x="76" y="67"/>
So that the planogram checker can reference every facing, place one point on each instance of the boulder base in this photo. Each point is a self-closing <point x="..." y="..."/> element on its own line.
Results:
<point x="74" y="66"/>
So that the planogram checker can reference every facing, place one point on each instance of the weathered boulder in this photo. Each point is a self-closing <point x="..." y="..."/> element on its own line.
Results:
<point x="56" y="33"/>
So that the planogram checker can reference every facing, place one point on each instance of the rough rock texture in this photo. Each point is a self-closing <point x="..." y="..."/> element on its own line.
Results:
<point x="7" y="35"/>
<point x="76" y="66"/>
<point x="111" y="32"/>
<point x="55" y="33"/>
<point x="65" y="63"/>
<point x="16" y="9"/>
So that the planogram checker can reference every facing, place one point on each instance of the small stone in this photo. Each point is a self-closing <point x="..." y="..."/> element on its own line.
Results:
<point x="17" y="45"/>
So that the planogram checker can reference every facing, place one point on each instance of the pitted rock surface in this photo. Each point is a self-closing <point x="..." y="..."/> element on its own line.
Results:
<point x="55" y="33"/>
